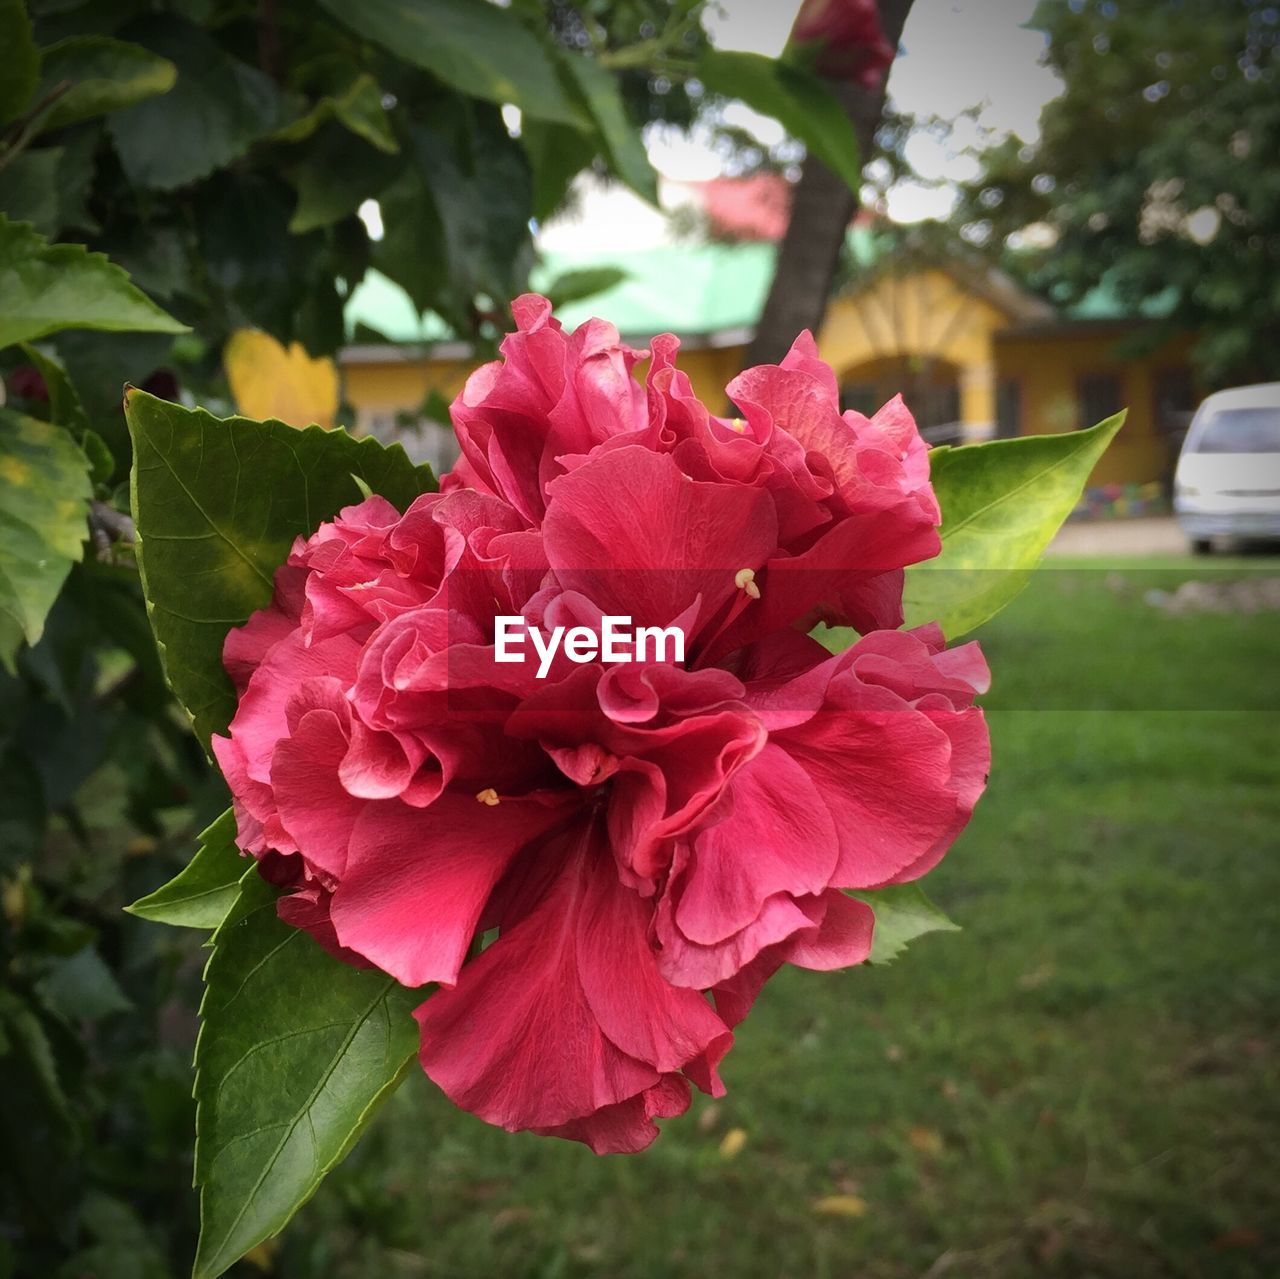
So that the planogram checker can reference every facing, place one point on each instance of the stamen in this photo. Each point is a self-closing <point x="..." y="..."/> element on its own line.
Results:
<point x="737" y="424"/>
<point x="489" y="796"/>
<point x="745" y="580"/>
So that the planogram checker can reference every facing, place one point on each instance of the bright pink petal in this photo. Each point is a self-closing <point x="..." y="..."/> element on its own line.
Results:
<point x="516" y="1041"/>
<point x="259" y="721"/>
<point x="778" y="838"/>
<point x="841" y="940"/>
<point x="884" y="779"/>
<point x="314" y="807"/>
<point x="646" y="1017"/>
<point x="639" y="538"/>
<point x="417" y="879"/>
<point x="527" y="1037"/>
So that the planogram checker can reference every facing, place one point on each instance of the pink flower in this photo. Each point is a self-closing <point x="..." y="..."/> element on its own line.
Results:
<point x="553" y="394"/>
<point x="850" y="496"/>
<point x="851" y="44"/>
<point x="577" y="861"/>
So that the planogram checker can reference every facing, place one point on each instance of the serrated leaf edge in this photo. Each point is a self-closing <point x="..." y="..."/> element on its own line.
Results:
<point x="211" y="1269"/>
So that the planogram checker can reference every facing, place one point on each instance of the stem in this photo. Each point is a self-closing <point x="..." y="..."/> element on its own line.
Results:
<point x="23" y="130"/>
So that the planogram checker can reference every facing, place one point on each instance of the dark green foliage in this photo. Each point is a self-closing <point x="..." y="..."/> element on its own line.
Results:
<point x="102" y="791"/>
<point x="217" y="155"/>
<point x="1157" y="169"/>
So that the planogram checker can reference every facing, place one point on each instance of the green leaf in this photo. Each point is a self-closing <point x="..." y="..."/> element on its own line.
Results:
<point x="21" y="60"/>
<point x="29" y="188"/>
<point x="48" y="186"/>
<point x="217" y="504"/>
<point x="104" y="75"/>
<point x="296" y="1051"/>
<point x="102" y="462"/>
<point x="796" y="98"/>
<point x="321" y="200"/>
<point x="357" y="107"/>
<point x="65" y="408"/>
<point x="44" y="496"/>
<point x="584" y="282"/>
<point x="479" y="49"/>
<point x="456" y="229"/>
<point x="903" y="913"/>
<point x="81" y="987"/>
<point x="623" y="146"/>
<point x="202" y="893"/>
<point x="1002" y="502"/>
<point x="557" y="154"/>
<point x="47" y="287"/>
<point x="217" y="108"/>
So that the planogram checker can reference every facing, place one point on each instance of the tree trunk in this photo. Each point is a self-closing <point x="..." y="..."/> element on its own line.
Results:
<point x="821" y="211"/>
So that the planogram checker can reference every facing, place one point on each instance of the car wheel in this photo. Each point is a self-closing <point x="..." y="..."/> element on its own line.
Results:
<point x="1201" y="546"/>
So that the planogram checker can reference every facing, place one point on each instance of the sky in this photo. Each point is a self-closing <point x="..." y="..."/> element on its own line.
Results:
<point x="955" y="54"/>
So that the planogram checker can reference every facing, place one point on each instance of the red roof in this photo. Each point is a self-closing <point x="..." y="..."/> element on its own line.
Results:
<point x="757" y="207"/>
<point x="753" y="208"/>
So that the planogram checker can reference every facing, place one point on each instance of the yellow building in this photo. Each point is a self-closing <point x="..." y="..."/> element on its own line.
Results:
<point x="975" y="356"/>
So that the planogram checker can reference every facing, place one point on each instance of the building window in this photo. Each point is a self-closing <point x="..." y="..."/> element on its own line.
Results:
<point x="1008" y="408"/>
<point x="1099" y="396"/>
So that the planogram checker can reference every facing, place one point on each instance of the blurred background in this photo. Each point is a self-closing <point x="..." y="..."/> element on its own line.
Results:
<point x="1055" y="210"/>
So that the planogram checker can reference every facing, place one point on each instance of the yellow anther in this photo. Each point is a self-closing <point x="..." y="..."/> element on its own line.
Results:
<point x="737" y="424"/>
<point x="745" y="580"/>
<point x="488" y="796"/>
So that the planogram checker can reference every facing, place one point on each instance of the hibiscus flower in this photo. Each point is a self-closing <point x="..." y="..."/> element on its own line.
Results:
<point x="596" y="870"/>
<point x="850" y="43"/>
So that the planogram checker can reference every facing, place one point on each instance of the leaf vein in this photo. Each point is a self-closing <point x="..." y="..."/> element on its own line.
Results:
<point x="266" y="578"/>
<point x="305" y="1110"/>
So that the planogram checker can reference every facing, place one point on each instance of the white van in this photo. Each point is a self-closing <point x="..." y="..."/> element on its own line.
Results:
<point x="1228" y="479"/>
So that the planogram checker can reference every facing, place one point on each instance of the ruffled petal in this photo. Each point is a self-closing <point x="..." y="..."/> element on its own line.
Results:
<point x="516" y="1041"/>
<point x="629" y="530"/>
<point x="417" y="879"/>
<point x="778" y="838"/>
<point x="627" y="1127"/>
<point x="529" y="1037"/>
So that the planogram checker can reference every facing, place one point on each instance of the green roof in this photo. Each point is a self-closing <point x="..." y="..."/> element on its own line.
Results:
<point x="382" y="305"/>
<point x="693" y="289"/>
<point x="678" y="288"/>
<point x="690" y="289"/>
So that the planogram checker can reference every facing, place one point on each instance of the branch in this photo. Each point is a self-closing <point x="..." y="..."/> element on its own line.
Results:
<point x="821" y="211"/>
<point x="107" y="527"/>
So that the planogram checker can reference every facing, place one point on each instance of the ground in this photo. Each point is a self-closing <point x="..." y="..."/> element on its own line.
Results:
<point x="1158" y="535"/>
<point x="1083" y="1082"/>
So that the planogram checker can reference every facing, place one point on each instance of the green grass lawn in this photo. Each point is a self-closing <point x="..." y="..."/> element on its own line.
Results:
<point x="1084" y="1082"/>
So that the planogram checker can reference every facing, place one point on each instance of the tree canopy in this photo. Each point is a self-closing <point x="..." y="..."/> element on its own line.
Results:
<point x="1155" y="172"/>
